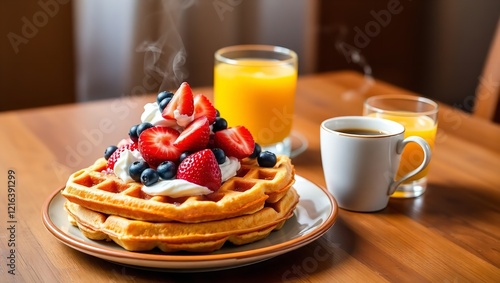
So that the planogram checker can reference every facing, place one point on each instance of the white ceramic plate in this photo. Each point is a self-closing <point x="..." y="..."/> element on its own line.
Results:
<point x="314" y="215"/>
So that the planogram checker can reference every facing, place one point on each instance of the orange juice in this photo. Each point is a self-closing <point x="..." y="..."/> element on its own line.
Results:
<point x="258" y="94"/>
<point x="413" y="155"/>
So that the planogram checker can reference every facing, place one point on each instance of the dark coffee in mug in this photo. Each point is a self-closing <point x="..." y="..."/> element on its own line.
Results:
<point x="362" y="132"/>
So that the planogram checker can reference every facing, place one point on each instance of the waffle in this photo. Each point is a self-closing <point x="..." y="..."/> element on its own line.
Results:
<point x="135" y="235"/>
<point x="243" y="194"/>
<point x="92" y="221"/>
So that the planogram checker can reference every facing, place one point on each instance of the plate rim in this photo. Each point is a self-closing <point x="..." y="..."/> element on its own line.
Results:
<point x="271" y="250"/>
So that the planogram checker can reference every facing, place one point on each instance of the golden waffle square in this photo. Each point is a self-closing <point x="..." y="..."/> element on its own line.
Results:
<point x="135" y="235"/>
<point x="243" y="194"/>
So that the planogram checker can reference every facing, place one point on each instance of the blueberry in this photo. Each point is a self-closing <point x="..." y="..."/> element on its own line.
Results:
<point x="109" y="151"/>
<point x="149" y="177"/>
<point x="184" y="155"/>
<point x="162" y="95"/>
<point x="135" y="170"/>
<point x="217" y="113"/>
<point x="219" y="155"/>
<point x="132" y="133"/>
<point x="256" y="151"/>
<point x="219" y="124"/>
<point x="143" y="126"/>
<point x="167" y="170"/>
<point x="163" y="103"/>
<point x="266" y="159"/>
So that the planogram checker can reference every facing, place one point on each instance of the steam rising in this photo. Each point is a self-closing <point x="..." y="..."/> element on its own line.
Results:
<point x="353" y="54"/>
<point x="164" y="62"/>
<point x="165" y="57"/>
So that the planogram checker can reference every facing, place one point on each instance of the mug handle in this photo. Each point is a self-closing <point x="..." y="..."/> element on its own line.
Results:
<point x="427" y="158"/>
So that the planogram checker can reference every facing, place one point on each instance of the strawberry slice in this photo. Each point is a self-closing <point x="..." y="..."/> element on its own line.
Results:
<point x="121" y="148"/>
<point x="236" y="141"/>
<point x="156" y="144"/>
<point x="203" y="107"/>
<point x="182" y="101"/>
<point x="195" y="136"/>
<point x="201" y="168"/>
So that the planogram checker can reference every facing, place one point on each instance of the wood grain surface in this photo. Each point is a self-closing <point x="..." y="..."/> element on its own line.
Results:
<point x="450" y="234"/>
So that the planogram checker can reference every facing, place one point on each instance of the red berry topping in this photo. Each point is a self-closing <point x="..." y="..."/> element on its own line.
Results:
<point x="201" y="168"/>
<point x="236" y="141"/>
<point x="156" y="144"/>
<point x="114" y="157"/>
<point x="195" y="136"/>
<point x="181" y="101"/>
<point x="203" y="107"/>
<point x="211" y="141"/>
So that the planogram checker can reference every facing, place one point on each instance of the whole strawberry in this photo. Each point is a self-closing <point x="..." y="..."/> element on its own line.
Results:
<point x="201" y="168"/>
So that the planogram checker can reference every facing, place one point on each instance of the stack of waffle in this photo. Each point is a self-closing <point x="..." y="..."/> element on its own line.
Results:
<point x="246" y="208"/>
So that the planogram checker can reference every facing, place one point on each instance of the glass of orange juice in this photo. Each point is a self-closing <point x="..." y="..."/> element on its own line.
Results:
<point x="254" y="86"/>
<point x="419" y="117"/>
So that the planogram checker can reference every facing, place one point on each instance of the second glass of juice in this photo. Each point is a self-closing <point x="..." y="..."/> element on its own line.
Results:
<point x="254" y="86"/>
<point x="419" y="117"/>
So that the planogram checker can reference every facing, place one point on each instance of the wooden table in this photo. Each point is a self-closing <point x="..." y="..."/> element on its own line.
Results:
<point x="450" y="234"/>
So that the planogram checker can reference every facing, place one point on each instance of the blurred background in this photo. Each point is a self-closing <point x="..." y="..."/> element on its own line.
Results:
<point x="61" y="51"/>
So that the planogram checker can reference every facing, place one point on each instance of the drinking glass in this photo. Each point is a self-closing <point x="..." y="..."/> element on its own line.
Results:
<point x="419" y="117"/>
<point x="254" y="86"/>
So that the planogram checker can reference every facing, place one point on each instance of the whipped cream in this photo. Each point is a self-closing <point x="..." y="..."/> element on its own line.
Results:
<point x="172" y="188"/>
<point x="229" y="168"/>
<point x="153" y="115"/>
<point x="175" y="188"/>
<point x="183" y="120"/>
<point x="180" y="188"/>
<point x="121" y="166"/>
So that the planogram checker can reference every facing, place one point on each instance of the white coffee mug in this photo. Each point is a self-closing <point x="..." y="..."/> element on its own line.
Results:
<point x="360" y="157"/>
